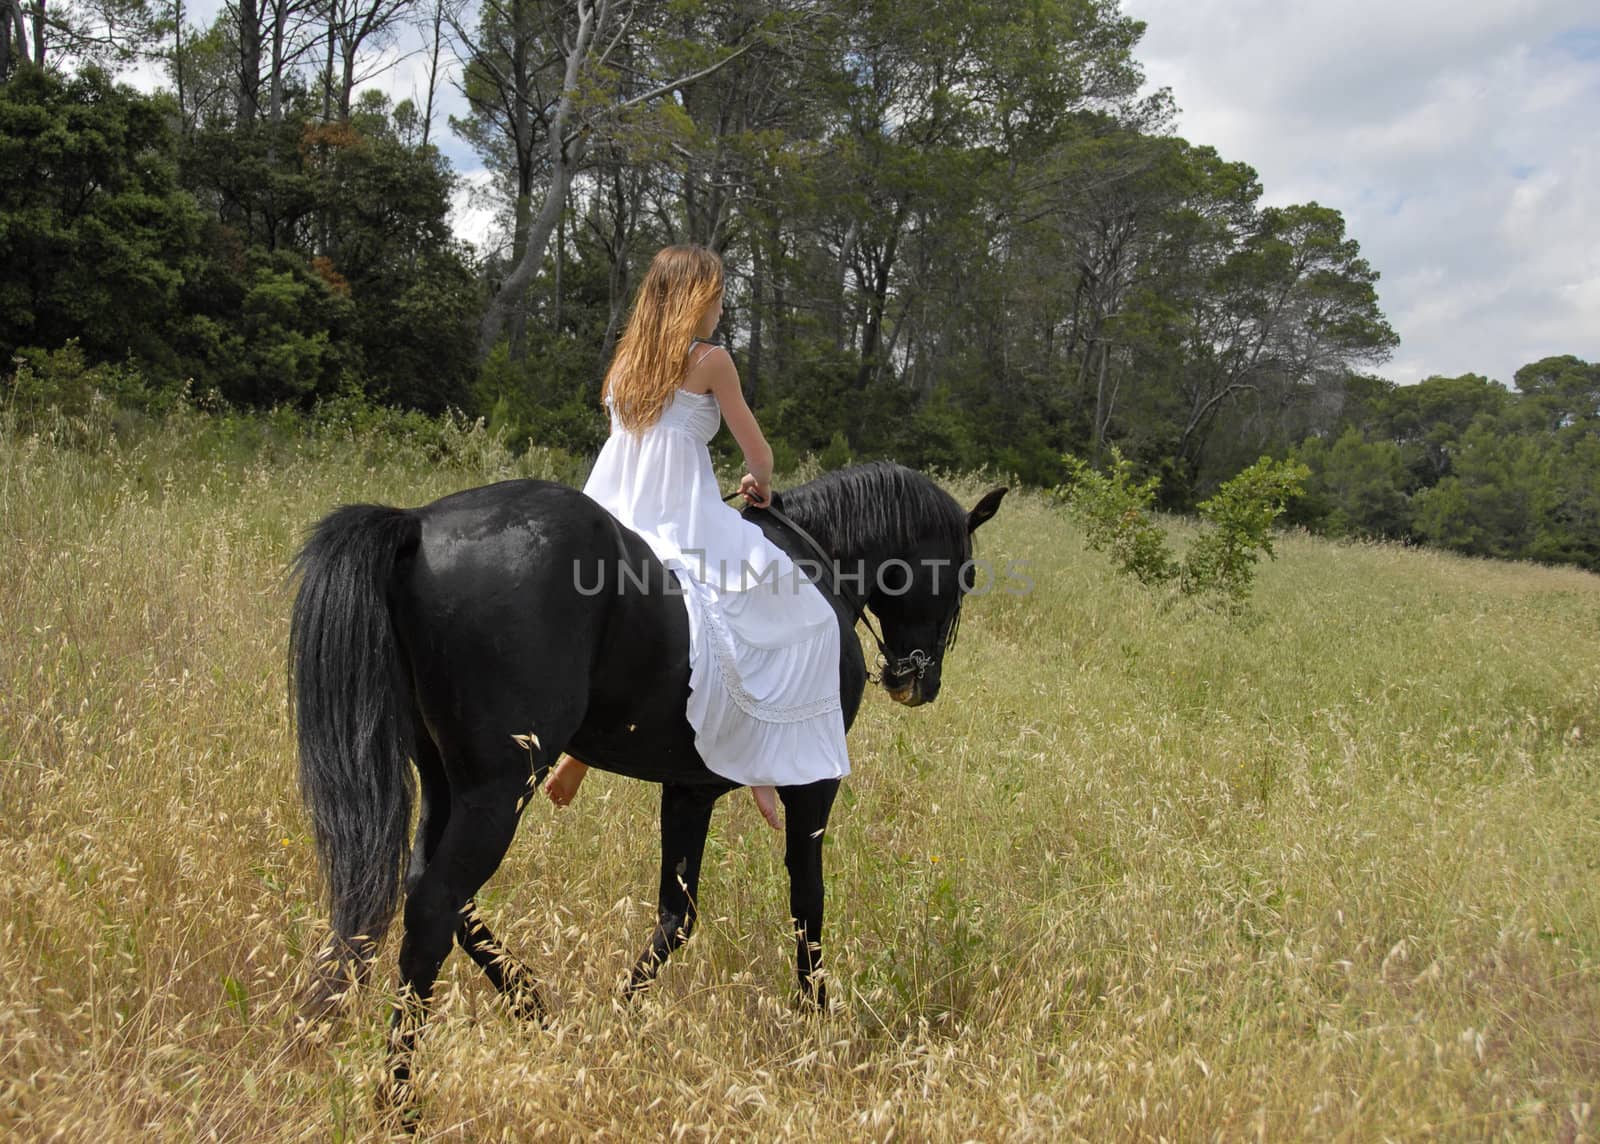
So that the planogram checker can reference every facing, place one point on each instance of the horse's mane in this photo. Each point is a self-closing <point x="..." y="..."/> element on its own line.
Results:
<point x="876" y="506"/>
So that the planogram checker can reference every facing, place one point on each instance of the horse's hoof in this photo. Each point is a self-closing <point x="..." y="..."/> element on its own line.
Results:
<point x="528" y="1005"/>
<point x="812" y="996"/>
<point x="637" y="986"/>
<point x="397" y="1106"/>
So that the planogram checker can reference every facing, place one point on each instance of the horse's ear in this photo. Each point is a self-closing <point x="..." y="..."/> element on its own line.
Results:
<point x="985" y="508"/>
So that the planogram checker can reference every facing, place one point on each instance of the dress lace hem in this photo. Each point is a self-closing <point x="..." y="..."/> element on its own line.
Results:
<point x="727" y="669"/>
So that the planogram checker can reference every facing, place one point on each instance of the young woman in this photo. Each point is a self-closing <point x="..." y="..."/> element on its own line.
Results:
<point x="763" y="643"/>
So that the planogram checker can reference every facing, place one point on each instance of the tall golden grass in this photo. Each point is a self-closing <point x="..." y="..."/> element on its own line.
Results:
<point x="1329" y="870"/>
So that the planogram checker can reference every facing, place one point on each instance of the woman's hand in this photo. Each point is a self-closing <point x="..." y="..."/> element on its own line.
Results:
<point x="758" y="493"/>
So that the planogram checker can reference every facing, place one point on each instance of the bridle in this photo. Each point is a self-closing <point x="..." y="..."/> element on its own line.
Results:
<point x="916" y="662"/>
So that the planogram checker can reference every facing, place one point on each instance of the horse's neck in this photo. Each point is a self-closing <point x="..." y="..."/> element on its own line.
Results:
<point x="877" y="513"/>
<point x="857" y="545"/>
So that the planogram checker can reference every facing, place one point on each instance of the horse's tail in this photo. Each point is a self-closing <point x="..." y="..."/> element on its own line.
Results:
<point x="351" y="695"/>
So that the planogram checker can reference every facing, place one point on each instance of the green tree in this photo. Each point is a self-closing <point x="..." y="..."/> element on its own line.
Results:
<point x="356" y="216"/>
<point x="386" y="205"/>
<point x="1288" y="311"/>
<point x="96" y="238"/>
<point x="1499" y="499"/>
<point x="1563" y="392"/>
<point x="1114" y="508"/>
<point x="1355" y="487"/>
<point x="78" y="33"/>
<point x="545" y="80"/>
<point x="13" y="38"/>
<point x="283" y="337"/>
<point x="1575" y="530"/>
<point x="1430" y="419"/>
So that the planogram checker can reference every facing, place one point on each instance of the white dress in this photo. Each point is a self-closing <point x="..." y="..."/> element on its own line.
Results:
<point x="763" y="643"/>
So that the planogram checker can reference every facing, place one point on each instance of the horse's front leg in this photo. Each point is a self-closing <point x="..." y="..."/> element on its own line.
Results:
<point x="806" y="809"/>
<point x="685" y="819"/>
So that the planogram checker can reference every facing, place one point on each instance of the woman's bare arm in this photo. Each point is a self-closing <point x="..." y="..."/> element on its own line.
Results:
<point x="718" y="373"/>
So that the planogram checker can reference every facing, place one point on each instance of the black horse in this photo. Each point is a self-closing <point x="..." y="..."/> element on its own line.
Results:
<point x="482" y="635"/>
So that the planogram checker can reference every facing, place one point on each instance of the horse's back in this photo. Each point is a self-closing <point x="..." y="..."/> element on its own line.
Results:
<point x="529" y="597"/>
<point x="512" y="522"/>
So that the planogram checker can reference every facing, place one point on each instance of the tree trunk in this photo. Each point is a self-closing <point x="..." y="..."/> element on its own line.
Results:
<point x="564" y="157"/>
<point x="619" y="305"/>
<point x="1102" y="412"/>
<point x="280" y="21"/>
<point x="871" y="311"/>
<point x="780" y="301"/>
<point x="433" y="69"/>
<point x="347" y="80"/>
<point x="249" y="62"/>
<point x="758" y="281"/>
<point x="624" y="221"/>
<point x="177" y="63"/>
<point x="327" y="71"/>
<point x="877" y="300"/>
<point x="516" y="283"/>
<point x="561" y="242"/>
<point x="13" y="37"/>
<point x="841" y="280"/>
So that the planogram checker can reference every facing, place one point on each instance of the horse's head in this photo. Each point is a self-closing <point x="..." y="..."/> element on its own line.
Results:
<point x="917" y="598"/>
<point x="904" y="545"/>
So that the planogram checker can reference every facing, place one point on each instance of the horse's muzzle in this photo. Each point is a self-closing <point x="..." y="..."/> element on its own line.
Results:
<point x="909" y="694"/>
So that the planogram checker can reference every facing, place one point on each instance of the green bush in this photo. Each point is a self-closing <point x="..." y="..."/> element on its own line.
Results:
<point x="785" y="457"/>
<point x="1356" y="487"/>
<point x="548" y="397"/>
<point x="58" y="395"/>
<point x="1223" y="558"/>
<point x="836" y="454"/>
<point x="1114" y="509"/>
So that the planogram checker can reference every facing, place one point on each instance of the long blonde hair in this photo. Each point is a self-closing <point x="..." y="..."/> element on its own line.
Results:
<point x="652" y="356"/>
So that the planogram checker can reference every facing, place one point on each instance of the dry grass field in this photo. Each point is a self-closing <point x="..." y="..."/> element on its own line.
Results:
<point x="1329" y="870"/>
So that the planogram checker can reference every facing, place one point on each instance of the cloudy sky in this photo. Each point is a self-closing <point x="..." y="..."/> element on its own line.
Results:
<point x="1459" y="138"/>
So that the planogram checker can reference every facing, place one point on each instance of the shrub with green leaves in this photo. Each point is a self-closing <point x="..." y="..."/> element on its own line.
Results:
<point x="58" y="395"/>
<point x="1223" y="558"/>
<point x="1114" y="509"/>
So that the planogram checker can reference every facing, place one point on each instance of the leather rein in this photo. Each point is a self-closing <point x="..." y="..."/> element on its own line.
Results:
<point x="915" y="664"/>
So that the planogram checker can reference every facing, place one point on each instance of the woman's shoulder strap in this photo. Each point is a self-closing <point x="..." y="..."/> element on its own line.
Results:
<point x="700" y="349"/>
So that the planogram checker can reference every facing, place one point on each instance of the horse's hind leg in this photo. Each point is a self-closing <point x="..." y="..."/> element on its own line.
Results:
<point x="508" y="975"/>
<point x="434" y="805"/>
<point x="511" y="977"/>
<point x="806" y="810"/>
<point x="482" y="820"/>
<point x="685" y="819"/>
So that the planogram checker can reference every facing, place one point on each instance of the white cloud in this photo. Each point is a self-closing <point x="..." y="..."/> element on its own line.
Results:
<point x="474" y="211"/>
<point x="1459" y="141"/>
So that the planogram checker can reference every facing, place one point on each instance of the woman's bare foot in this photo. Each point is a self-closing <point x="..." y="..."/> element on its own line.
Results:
<point x="767" y="803"/>
<point x="564" y="780"/>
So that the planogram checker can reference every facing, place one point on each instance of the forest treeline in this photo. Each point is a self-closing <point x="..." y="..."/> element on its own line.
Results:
<point x="956" y="234"/>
